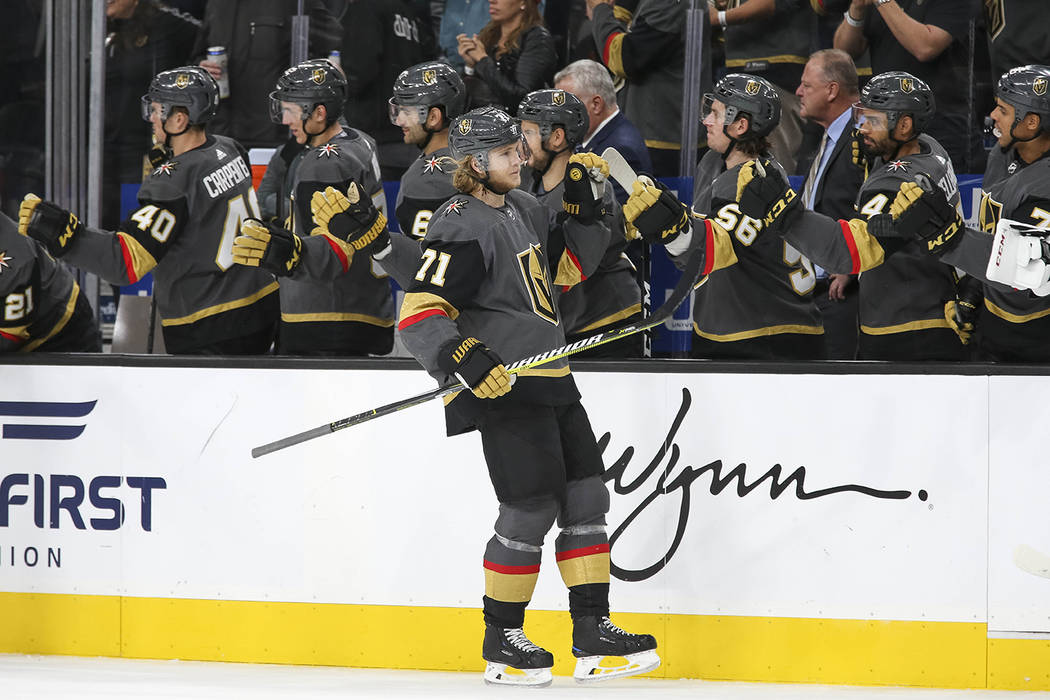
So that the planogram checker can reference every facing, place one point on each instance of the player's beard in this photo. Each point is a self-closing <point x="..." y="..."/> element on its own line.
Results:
<point x="881" y="149"/>
<point x="502" y="183"/>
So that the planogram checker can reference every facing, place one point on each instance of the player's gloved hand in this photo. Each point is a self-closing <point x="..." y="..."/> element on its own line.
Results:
<point x="856" y="150"/>
<point x="353" y="217"/>
<point x="655" y="213"/>
<point x="1021" y="257"/>
<point x="476" y="366"/>
<point x="960" y="320"/>
<point x="267" y="246"/>
<point x="50" y="224"/>
<point x="763" y="193"/>
<point x="158" y="154"/>
<point x="921" y="211"/>
<point x="585" y="177"/>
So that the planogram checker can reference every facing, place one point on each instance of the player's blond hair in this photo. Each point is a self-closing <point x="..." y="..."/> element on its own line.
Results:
<point x="465" y="178"/>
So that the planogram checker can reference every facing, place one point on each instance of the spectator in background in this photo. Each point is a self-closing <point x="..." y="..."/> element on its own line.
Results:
<point x="770" y="39"/>
<point x="381" y="38"/>
<point x="926" y="38"/>
<point x="512" y="56"/>
<point x="143" y="38"/>
<point x="257" y="36"/>
<point x="648" y="50"/>
<point x="1016" y="34"/>
<point x="607" y="126"/>
<point x="458" y="17"/>
<point x="826" y="95"/>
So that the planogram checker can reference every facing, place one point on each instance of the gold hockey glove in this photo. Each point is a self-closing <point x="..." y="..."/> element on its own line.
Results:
<point x="267" y="246"/>
<point x="352" y="217"/>
<point x="961" y="313"/>
<point x="478" y="367"/>
<point x="763" y="193"/>
<point x="582" y="196"/>
<point x="921" y="211"/>
<point x="857" y="155"/>
<point x="655" y="213"/>
<point x="50" y="224"/>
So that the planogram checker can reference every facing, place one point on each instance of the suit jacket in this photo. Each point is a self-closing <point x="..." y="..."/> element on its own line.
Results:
<point x="840" y="182"/>
<point x="624" y="136"/>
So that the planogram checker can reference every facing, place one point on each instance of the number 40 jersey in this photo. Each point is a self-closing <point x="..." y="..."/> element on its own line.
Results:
<point x="190" y="209"/>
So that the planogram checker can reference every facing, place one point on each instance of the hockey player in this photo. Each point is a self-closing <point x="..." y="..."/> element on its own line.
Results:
<point x="762" y="307"/>
<point x="190" y="209"/>
<point x="484" y="291"/>
<point x="352" y="314"/>
<point x="554" y="122"/>
<point x="903" y="294"/>
<point x="1013" y="324"/>
<point x="41" y="305"/>
<point x="427" y="97"/>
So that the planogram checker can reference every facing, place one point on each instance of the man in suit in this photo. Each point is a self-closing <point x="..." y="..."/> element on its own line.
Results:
<point x="827" y="92"/>
<point x="607" y="126"/>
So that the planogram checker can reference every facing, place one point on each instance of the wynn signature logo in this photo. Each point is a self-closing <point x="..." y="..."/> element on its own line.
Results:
<point x="682" y="483"/>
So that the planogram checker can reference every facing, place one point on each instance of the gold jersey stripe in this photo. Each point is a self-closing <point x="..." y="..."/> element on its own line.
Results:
<point x="538" y="372"/>
<point x="614" y="54"/>
<point x="759" y="332"/>
<point x="71" y="304"/>
<point x="332" y="316"/>
<point x="666" y="145"/>
<point x="782" y="58"/>
<point x="593" y="568"/>
<point x="569" y="273"/>
<point x="612" y="318"/>
<point x="905" y="327"/>
<point x="141" y="260"/>
<point x="622" y="14"/>
<point x="510" y="588"/>
<point x="869" y="251"/>
<point x="1014" y="318"/>
<point x="18" y="332"/>
<point x="219" y="308"/>
<point x="725" y="255"/>
<point x="416" y="303"/>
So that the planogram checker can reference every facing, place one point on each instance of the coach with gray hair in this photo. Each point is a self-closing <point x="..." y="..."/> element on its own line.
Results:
<point x="608" y="127"/>
<point x="826" y="94"/>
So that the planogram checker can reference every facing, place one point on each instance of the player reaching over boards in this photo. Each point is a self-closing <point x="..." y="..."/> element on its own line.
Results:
<point x="190" y="209"/>
<point x="484" y="292"/>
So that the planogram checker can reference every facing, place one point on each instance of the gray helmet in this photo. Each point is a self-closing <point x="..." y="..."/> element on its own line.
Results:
<point x="190" y="87"/>
<point x="309" y="84"/>
<point x="480" y="130"/>
<point x="1025" y="89"/>
<point x="427" y="85"/>
<point x="898" y="93"/>
<point x="747" y="94"/>
<point x="554" y="108"/>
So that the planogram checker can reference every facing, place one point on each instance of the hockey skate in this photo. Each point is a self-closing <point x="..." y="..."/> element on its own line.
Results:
<point x="605" y="651"/>
<point x="514" y="660"/>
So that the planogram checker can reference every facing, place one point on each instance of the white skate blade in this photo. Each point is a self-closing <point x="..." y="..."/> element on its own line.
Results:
<point x="502" y="674"/>
<point x="592" y="669"/>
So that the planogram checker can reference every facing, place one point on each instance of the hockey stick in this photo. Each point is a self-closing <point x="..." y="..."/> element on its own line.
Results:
<point x="694" y="267"/>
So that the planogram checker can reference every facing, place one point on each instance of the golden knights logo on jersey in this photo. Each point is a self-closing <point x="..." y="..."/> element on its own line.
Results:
<point x="991" y="212"/>
<point x="537" y="283"/>
<point x="994" y="17"/>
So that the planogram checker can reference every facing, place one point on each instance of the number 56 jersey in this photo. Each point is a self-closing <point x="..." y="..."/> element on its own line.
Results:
<point x="190" y="209"/>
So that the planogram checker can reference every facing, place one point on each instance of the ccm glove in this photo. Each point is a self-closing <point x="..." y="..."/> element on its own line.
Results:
<point x="921" y="211"/>
<point x="50" y="224"/>
<point x="350" y="217"/>
<point x="476" y="366"/>
<point x="267" y="246"/>
<point x="763" y="193"/>
<point x="961" y="313"/>
<point x="585" y="176"/>
<point x="655" y="213"/>
<point x="158" y="154"/>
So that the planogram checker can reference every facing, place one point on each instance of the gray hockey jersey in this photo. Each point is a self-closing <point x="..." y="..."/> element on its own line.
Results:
<point x="353" y="313"/>
<point x="490" y="273"/>
<point x="190" y="210"/>
<point x="1014" y="325"/>
<point x="609" y="295"/>
<point x="769" y="291"/>
<point x="41" y="305"/>
<point x="902" y="288"/>
<point x="425" y="186"/>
